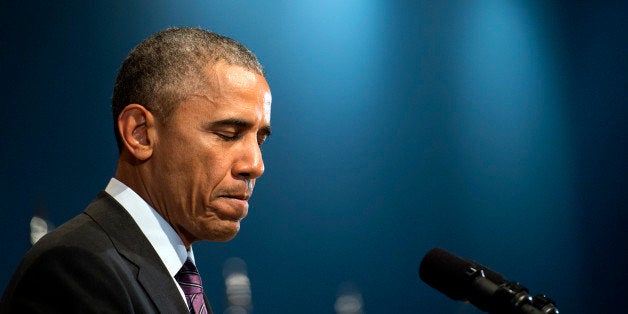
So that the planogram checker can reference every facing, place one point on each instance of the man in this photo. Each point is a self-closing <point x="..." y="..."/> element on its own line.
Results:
<point x="191" y="110"/>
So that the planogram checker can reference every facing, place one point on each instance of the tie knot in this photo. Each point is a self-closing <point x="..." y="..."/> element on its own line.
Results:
<point x="189" y="279"/>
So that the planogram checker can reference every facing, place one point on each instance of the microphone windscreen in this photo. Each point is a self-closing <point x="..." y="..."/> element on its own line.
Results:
<point x="450" y="274"/>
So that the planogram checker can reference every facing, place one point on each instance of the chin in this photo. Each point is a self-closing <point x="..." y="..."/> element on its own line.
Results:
<point x="223" y="237"/>
<point x="224" y="234"/>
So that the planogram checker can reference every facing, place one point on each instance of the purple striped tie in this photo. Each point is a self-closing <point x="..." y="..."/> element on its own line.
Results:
<point x="192" y="286"/>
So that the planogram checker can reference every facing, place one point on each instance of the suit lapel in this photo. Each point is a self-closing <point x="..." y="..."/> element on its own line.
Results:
<point x="131" y="243"/>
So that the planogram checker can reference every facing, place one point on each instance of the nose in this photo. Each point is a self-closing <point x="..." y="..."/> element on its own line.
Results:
<point x="250" y="164"/>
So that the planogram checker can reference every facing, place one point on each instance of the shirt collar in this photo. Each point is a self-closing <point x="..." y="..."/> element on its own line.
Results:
<point x="159" y="233"/>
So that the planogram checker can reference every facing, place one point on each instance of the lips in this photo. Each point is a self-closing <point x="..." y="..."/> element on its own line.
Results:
<point x="244" y="197"/>
<point x="233" y="207"/>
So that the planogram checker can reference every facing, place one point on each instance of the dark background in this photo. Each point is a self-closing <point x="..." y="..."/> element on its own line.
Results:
<point x="495" y="129"/>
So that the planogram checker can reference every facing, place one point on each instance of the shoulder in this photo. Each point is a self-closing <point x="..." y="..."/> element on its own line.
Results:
<point x="79" y="233"/>
<point x="87" y="264"/>
<point x="64" y="278"/>
<point x="76" y="250"/>
<point x="92" y="230"/>
<point x="82" y="238"/>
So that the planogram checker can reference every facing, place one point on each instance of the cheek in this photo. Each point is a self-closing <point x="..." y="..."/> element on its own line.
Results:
<point x="197" y="166"/>
<point x="208" y="171"/>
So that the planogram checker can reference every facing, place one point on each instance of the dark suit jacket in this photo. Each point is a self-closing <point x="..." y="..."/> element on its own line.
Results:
<point x="99" y="261"/>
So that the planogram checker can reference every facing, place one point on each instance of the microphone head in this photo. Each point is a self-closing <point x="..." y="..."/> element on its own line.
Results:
<point x="451" y="274"/>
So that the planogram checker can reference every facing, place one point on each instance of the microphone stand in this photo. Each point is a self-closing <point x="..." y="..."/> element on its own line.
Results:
<point x="506" y="297"/>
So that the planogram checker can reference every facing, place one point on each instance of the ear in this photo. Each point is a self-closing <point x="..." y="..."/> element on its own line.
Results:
<point x="137" y="129"/>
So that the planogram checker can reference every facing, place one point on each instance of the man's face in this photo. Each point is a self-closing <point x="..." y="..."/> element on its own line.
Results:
<point x="207" y="156"/>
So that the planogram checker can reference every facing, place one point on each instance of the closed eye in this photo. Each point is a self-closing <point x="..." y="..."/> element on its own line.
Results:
<point x="234" y="129"/>
<point x="228" y="130"/>
<point x="228" y="135"/>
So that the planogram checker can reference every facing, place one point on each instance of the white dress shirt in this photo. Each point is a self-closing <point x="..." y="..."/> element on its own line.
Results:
<point x="159" y="233"/>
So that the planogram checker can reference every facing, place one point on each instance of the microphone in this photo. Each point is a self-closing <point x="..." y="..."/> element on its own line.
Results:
<point x="468" y="281"/>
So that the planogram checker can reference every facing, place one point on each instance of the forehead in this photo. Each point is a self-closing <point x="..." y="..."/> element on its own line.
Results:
<point x="222" y="76"/>
<point x="230" y="90"/>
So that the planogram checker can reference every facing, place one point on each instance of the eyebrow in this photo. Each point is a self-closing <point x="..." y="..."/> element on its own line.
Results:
<point x="241" y="124"/>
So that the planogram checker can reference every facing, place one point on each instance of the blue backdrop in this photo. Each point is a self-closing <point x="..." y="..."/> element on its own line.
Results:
<point x="495" y="129"/>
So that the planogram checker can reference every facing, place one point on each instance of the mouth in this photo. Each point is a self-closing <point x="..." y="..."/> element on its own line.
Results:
<point x="235" y="206"/>
<point x="242" y="197"/>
